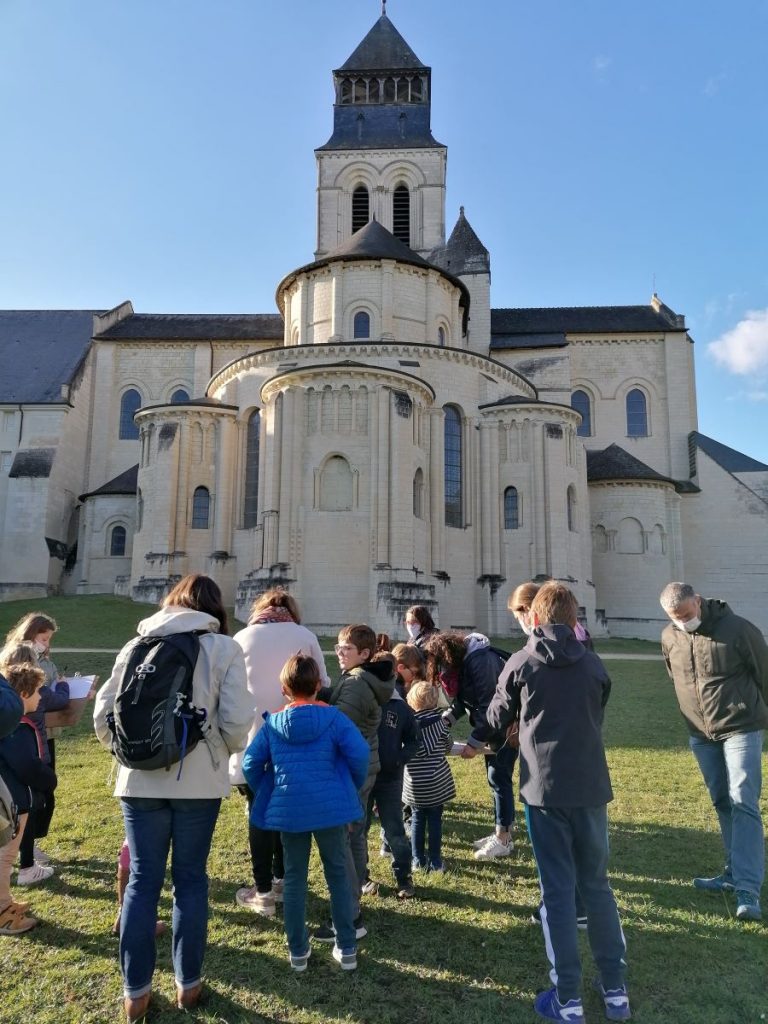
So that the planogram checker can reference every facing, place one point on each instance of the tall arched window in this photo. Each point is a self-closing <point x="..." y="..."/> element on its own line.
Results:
<point x="201" y="508"/>
<point x="453" y="467"/>
<point x="179" y="396"/>
<point x="362" y="325"/>
<point x="630" y="536"/>
<point x="130" y="404"/>
<point x="571" y="508"/>
<point x="581" y="403"/>
<point x="441" y="336"/>
<point x="418" y="494"/>
<point x="336" y="485"/>
<point x="401" y="214"/>
<point x="117" y="541"/>
<point x="511" y="509"/>
<point x="637" y="414"/>
<point x="251" y="493"/>
<point x="361" y="208"/>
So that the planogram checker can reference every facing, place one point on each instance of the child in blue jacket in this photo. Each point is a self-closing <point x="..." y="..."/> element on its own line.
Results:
<point x="305" y="767"/>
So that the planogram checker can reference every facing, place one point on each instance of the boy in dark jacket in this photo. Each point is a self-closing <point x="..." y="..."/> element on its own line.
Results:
<point x="399" y="739"/>
<point x="362" y="691"/>
<point x="29" y="779"/>
<point x="11" y="708"/>
<point x="557" y="690"/>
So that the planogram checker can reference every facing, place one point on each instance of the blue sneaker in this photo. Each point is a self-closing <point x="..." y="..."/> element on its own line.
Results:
<point x="720" y="883"/>
<point x="548" y="1006"/>
<point x="615" y="1001"/>
<point x="748" y="906"/>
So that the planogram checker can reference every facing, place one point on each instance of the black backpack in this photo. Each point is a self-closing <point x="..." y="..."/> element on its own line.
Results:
<point x="154" y="722"/>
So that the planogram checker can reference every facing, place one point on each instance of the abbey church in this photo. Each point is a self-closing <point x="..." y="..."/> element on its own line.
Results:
<point x="387" y="437"/>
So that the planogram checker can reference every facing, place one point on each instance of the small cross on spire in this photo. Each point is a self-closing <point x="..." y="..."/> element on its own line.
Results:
<point x="383" y="7"/>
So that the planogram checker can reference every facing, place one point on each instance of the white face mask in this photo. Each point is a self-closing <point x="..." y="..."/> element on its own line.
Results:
<point x="413" y="629"/>
<point x="687" y="627"/>
<point x="526" y="629"/>
<point x="38" y="648"/>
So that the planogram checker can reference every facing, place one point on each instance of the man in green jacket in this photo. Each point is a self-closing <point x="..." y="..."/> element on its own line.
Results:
<point x="719" y="665"/>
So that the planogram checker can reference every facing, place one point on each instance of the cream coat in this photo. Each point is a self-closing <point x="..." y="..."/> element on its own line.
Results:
<point x="218" y="685"/>
<point x="267" y="646"/>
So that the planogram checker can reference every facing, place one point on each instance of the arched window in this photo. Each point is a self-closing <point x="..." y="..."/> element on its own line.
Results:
<point x="130" y="404"/>
<point x="453" y="467"/>
<point x="251" y="493"/>
<point x="401" y="214"/>
<point x="362" y="325"/>
<point x="360" y="91"/>
<point x="637" y="414"/>
<point x="336" y="485"/>
<point x="571" y="508"/>
<point x="201" y="507"/>
<point x="117" y="541"/>
<point x="511" y="509"/>
<point x="418" y="494"/>
<point x="441" y="336"/>
<point x="599" y="539"/>
<point x="346" y="90"/>
<point x="179" y="396"/>
<point x="581" y="403"/>
<point x="360" y="208"/>
<point x="630" y="536"/>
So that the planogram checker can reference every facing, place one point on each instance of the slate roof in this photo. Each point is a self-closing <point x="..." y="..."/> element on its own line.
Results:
<point x="40" y="350"/>
<point x="383" y="49"/>
<point x="126" y="482"/>
<point x="375" y="242"/>
<point x="36" y="463"/>
<point x="197" y="327"/>
<point x="509" y="325"/>
<point x="615" y="463"/>
<point x="727" y="458"/>
<point x="463" y="253"/>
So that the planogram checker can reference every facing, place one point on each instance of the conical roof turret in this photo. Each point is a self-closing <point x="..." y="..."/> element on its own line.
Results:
<point x="463" y="253"/>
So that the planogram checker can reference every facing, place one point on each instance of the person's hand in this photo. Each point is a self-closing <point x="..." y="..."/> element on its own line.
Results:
<point x="469" y="752"/>
<point x="513" y="734"/>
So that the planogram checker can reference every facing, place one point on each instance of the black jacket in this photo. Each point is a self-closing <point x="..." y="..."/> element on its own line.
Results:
<point x="558" y="689"/>
<point x="720" y="673"/>
<point x="11" y="708"/>
<point x="399" y="738"/>
<point x="478" y="677"/>
<point x="22" y="769"/>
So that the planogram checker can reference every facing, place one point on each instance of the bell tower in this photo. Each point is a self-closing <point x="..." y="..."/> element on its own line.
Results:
<point x="381" y="160"/>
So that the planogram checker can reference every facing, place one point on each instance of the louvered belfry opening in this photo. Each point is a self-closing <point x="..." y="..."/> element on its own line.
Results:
<point x="401" y="214"/>
<point x="360" y="208"/>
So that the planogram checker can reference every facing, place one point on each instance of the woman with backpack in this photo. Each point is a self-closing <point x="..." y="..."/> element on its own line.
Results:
<point x="175" y="806"/>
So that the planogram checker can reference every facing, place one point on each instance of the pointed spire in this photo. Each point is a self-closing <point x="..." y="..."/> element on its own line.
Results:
<point x="463" y="253"/>
<point x="383" y="49"/>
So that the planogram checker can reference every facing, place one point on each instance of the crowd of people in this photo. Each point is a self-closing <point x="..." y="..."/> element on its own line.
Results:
<point x="188" y="712"/>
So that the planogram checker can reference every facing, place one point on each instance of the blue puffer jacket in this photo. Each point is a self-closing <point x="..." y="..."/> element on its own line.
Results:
<point x="305" y="766"/>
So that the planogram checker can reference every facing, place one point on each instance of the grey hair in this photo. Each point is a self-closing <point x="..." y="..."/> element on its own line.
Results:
<point x="675" y="594"/>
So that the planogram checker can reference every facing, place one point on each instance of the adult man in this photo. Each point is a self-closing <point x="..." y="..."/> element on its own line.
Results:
<point x="719" y="665"/>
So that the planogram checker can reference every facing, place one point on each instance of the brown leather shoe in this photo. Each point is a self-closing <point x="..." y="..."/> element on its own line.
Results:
<point x="188" y="998"/>
<point x="136" y="1009"/>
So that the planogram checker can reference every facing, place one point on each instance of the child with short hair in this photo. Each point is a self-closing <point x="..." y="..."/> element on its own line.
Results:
<point x="362" y="691"/>
<point x="305" y="768"/>
<point x="28" y="777"/>
<point x="427" y="782"/>
<point x="557" y="690"/>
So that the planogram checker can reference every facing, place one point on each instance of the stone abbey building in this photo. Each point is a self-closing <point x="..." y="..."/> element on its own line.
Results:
<point x="387" y="437"/>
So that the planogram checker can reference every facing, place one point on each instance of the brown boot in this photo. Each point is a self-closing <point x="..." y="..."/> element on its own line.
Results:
<point x="122" y="885"/>
<point x="136" y="1008"/>
<point x="188" y="998"/>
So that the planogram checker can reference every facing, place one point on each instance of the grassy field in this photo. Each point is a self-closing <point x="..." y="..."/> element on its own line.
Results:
<point x="462" y="952"/>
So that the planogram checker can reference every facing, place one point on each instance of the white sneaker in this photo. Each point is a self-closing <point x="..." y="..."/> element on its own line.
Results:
<point x="494" y="849"/>
<point x="34" y="875"/>
<point x="277" y="889"/>
<point x="347" y="961"/>
<point x="481" y="842"/>
<point x="259" y="902"/>
<point x="41" y="857"/>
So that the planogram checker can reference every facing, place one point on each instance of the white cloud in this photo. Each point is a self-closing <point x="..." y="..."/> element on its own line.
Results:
<point x="600" y="65"/>
<point x="744" y="349"/>
<point x="713" y="83"/>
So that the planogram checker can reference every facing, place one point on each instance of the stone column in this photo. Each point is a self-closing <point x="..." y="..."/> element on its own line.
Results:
<point x="337" y="302"/>
<point x="272" y="464"/>
<point x="225" y="465"/>
<point x="387" y="299"/>
<point x="183" y="496"/>
<point x="437" y="489"/>
<point x="380" y="474"/>
<point x="540" y="557"/>
<point x="288" y="443"/>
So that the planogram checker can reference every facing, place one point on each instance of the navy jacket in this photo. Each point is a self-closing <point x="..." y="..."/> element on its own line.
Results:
<point x="23" y="771"/>
<point x="52" y="698"/>
<point x="558" y="689"/>
<point x="399" y="738"/>
<point x="478" y="677"/>
<point x="11" y="708"/>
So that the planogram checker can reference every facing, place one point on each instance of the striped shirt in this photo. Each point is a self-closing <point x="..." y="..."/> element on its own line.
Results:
<point x="427" y="780"/>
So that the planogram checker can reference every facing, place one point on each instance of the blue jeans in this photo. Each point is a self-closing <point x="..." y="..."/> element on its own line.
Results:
<point x="333" y="846"/>
<point x="732" y="773"/>
<point x="499" y="769"/>
<point x="153" y="827"/>
<point x="429" y="819"/>
<point x="387" y="794"/>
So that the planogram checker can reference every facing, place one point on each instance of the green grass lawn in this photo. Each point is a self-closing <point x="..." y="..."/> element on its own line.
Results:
<point x="462" y="952"/>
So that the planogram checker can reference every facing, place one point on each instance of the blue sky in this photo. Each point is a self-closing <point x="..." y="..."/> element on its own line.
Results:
<point x="162" y="151"/>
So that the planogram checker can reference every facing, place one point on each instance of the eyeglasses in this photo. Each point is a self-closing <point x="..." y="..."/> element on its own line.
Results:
<point x="343" y="648"/>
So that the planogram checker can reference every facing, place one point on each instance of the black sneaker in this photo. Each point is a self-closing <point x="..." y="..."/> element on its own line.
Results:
<point x="406" y="890"/>
<point x="326" y="933"/>
<point x="581" y="921"/>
